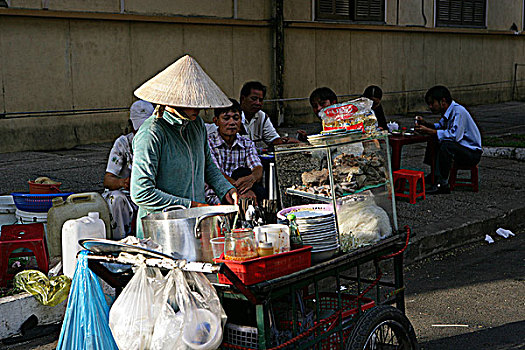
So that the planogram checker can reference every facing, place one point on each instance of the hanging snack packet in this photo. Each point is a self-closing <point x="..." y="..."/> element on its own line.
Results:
<point x="351" y="115"/>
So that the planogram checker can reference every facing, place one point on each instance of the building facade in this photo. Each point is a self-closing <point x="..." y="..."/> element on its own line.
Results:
<point x="68" y="68"/>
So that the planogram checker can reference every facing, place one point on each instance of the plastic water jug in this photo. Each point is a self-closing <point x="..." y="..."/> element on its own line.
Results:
<point x="75" y="206"/>
<point x="90" y="226"/>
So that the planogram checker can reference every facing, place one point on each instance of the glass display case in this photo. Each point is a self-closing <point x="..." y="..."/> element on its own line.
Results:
<point x="350" y="171"/>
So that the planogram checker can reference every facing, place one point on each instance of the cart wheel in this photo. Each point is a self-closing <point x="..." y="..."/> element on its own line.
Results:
<point x="383" y="327"/>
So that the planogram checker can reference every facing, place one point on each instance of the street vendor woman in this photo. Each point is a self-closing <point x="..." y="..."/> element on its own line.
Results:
<point x="172" y="160"/>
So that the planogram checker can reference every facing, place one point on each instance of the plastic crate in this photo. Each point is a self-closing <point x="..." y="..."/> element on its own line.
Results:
<point x="328" y="302"/>
<point x="240" y="336"/>
<point x="269" y="267"/>
<point x="36" y="203"/>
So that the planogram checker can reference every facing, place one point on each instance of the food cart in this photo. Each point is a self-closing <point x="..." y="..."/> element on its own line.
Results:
<point x="343" y="302"/>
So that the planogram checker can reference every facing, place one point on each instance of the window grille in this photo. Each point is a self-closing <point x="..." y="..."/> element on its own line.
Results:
<point x="461" y="13"/>
<point x="351" y="10"/>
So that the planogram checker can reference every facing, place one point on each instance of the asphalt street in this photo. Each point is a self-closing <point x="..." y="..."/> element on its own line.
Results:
<point x="470" y="298"/>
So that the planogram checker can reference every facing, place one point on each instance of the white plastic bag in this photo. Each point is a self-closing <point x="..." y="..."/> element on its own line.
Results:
<point x="132" y="317"/>
<point x="362" y="222"/>
<point x="202" y="312"/>
<point x="168" y="326"/>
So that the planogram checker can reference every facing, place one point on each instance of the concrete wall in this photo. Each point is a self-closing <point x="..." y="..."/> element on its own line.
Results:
<point x="502" y="14"/>
<point x="347" y="61"/>
<point x="57" y="60"/>
<point x="63" y="64"/>
<point x="246" y="9"/>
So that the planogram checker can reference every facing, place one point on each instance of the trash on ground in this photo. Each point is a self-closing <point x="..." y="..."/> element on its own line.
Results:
<point x="504" y="233"/>
<point x="489" y="239"/>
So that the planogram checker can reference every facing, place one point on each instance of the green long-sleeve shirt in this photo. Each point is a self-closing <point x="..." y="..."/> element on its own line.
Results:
<point x="171" y="164"/>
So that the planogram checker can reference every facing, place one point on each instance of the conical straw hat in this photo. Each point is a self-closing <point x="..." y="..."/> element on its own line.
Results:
<point x="183" y="84"/>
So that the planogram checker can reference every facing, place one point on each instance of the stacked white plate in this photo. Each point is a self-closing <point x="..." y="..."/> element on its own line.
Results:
<point x="317" y="228"/>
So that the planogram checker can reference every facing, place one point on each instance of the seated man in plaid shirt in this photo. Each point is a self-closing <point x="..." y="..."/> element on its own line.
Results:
<point x="235" y="155"/>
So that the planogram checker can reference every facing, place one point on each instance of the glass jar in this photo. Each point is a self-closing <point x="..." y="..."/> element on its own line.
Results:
<point x="239" y="245"/>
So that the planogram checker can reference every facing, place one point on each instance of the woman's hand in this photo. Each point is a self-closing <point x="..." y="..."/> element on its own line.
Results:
<point x="232" y="197"/>
<point x="250" y="194"/>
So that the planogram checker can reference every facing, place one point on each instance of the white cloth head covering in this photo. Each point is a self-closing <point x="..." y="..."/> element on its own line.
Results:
<point x="183" y="84"/>
<point x="139" y="112"/>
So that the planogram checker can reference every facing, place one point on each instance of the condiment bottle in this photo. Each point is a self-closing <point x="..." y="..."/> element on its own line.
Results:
<point x="296" y="241"/>
<point x="265" y="249"/>
<point x="239" y="245"/>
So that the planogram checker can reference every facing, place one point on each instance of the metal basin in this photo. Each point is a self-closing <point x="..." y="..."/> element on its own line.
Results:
<point x="186" y="233"/>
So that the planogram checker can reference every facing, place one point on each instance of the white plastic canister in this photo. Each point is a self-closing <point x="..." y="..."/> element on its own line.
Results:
<point x="7" y="211"/>
<point x="278" y="234"/>
<point x="90" y="226"/>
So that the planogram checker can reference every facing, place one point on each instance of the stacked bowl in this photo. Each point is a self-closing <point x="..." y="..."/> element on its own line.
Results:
<point x="316" y="224"/>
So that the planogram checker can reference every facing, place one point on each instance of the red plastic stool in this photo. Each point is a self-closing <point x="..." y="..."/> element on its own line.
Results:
<point x="29" y="236"/>
<point x="471" y="182"/>
<point x="412" y="177"/>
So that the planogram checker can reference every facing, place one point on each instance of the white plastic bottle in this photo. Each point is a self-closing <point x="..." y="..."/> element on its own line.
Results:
<point x="90" y="226"/>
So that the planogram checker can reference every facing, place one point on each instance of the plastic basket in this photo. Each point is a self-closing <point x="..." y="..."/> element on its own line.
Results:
<point x="329" y="302"/>
<point x="240" y="336"/>
<point x="37" y="203"/>
<point x="269" y="267"/>
<point x="36" y="188"/>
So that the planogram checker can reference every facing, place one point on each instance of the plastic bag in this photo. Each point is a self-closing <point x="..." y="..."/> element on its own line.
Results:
<point x="48" y="291"/>
<point x="362" y="222"/>
<point x="85" y="323"/>
<point x="351" y="115"/>
<point x="202" y="311"/>
<point x="168" y="326"/>
<point x="133" y="315"/>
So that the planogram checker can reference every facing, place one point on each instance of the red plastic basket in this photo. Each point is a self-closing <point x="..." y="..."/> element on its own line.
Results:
<point x="329" y="302"/>
<point x="269" y="267"/>
<point x="36" y="188"/>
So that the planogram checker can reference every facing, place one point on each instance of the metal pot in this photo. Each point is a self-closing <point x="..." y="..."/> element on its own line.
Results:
<point x="186" y="233"/>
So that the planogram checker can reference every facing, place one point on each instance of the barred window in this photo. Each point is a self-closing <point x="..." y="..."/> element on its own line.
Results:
<point x="461" y="13"/>
<point x="351" y="10"/>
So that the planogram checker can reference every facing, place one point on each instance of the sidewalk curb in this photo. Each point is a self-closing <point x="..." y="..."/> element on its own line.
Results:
<point x="515" y="153"/>
<point x="15" y="310"/>
<point x="423" y="246"/>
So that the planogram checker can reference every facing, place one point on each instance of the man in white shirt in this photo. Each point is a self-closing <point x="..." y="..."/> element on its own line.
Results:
<point x="257" y="125"/>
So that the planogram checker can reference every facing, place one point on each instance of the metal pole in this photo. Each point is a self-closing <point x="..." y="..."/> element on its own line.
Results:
<point x="391" y="183"/>
<point x="279" y="58"/>
<point x="332" y="192"/>
<point x="514" y="80"/>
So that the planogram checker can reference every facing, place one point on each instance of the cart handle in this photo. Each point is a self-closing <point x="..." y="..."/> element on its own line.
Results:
<point x="407" y="228"/>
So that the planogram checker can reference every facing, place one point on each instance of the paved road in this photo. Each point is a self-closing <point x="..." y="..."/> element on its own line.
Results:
<point x="480" y="287"/>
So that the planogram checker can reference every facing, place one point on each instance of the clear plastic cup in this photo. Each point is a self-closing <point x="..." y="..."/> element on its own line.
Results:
<point x="217" y="246"/>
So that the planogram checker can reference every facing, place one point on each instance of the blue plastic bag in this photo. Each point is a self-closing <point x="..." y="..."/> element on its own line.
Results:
<point x="86" y="323"/>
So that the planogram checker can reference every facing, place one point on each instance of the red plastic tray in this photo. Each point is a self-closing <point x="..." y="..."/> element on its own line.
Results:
<point x="269" y="267"/>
